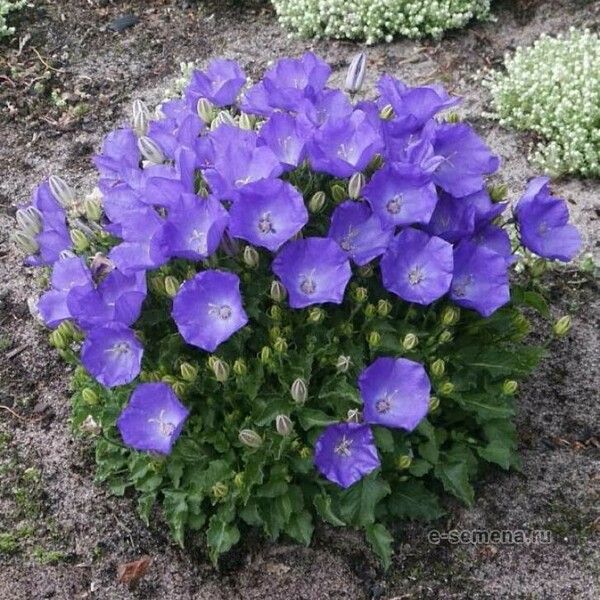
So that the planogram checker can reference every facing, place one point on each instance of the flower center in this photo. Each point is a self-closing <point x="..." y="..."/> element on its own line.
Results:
<point x="222" y="311"/>
<point x="347" y="241"/>
<point x="543" y="228"/>
<point x="343" y="447"/>
<point x="165" y="428"/>
<point x="346" y="152"/>
<point x="384" y="405"/>
<point x="415" y="276"/>
<point x="308" y="285"/>
<point x="198" y="240"/>
<point x="265" y="224"/>
<point x="120" y="348"/>
<point x="394" y="205"/>
<point x="461" y="285"/>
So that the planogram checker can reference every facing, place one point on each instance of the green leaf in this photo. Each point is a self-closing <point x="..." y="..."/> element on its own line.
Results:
<point x="384" y="439"/>
<point x="322" y="503"/>
<point x="176" y="513"/>
<point x="311" y="417"/>
<point x="484" y="406"/>
<point x="412" y="500"/>
<point x="455" y="479"/>
<point x="419" y="467"/>
<point x="300" y="527"/>
<point x="144" y="506"/>
<point x="501" y="362"/>
<point x="530" y="298"/>
<point x="499" y="453"/>
<point x="220" y="537"/>
<point x="358" y="502"/>
<point x="381" y="542"/>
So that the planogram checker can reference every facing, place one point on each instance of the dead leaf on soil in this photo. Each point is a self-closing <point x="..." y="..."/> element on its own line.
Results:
<point x="130" y="573"/>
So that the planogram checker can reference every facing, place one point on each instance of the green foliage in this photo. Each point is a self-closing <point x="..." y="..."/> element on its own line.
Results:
<point x="6" y="7"/>
<point x="374" y="20"/>
<point x="553" y="89"/>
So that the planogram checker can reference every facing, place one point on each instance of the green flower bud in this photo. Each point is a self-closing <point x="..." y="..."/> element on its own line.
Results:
<point x="275" y="332"/>
<point x="366" y="271"/>
<point x="29" y="220"/>
<point x="170" y="379"/>
<point x="438" y="367"/>
<point x="347" y="329"/>
<point x="25" y="241"/>
<point x="342" y="364"/>
<point x="92" y="209"/>
<point x="403" y="462"/>
<point x="265" y="355"/>
<point x="299" y="391"/>
<point x="250" y="438"/>
<point x="410" y="341"/>
<point x="305" y="453"/>
<point x="171" y="286"/>
<point x="562" y="326"/>
<point x="141" y="116"/>
<point x="79" y="239"/>
<point x="278" y="291"/>
<point x="387" y="112"/>
<point x="62" y="191"/>
<point x="205" y="110"/>
<point x="315" y="315"/>
<point x="374" y="339"/>
<point x="275" y="313"/>
<point x="538" y="267"/>
<point x="360" y="294"/>
<point x="370" y="311"/>
<point x="376" y="163"/>
<point x="57" y="339"/>
<point x="445" y="337"/>
<point x="498" y="192"/>
<point x="450" y="316"/>
<point x="453" y="117"/>
<point x="509" y="387"/>
<point x="150" y="150"/>
<point x="356" y="73"/>
<point x="434" y="403"/>
<point x="221" y="370"/>
<point x="226" y="118"/>
<point x="239" y="367"/>
<point x="280" y="345"/>
<point x="188" y="371"/>
<point x="90" y="426"/>
<point x="283" y="425"/>
<point x="251" y="257"/>
<point x="355" y="185"/>
<point x="238" y="480"/>
<point x="338" y="193"/>
<point x="446" y="388"/>
<point x="384" y="307"/>
<point x="317" y="202"/>
<point x="219" y="490"/>
<point x="89" y="396"/>
<point x="179" y="388"/>
<point x="246" y="122"/>
<point x="156" y="284"/>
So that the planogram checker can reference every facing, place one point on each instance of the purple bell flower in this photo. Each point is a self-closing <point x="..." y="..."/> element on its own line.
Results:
<point x="112" y="354"/>
<point x="395" y="393"/>
<point x="326" y="105"/>
<point x="120" y="153"/>
<point x="467" y="159"/>
<point x="345" y="453"/>
<point x="344" y="146"/>
<point x="480" y="279"/>
<point x="153" y="418"/>
<point x="268" y="213"/>
<point x="417" y="267"/>
<point x="495" y="238"/>
<point x="195" y="226"/>
<point x="401" y="194"/>
<point x="286" y="136"/>
<point x="359" y="232"/>
<point x="208" y="309"/>
<point x="543" y="223"/>
<point x="313" y="270"/>
<point x="220" y="83"/>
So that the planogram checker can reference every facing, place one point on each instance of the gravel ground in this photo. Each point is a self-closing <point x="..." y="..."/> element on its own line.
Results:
<point x="63" y="537"/>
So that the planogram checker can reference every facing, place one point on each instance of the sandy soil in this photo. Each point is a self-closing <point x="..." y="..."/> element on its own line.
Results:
<point x="63" y="537"/>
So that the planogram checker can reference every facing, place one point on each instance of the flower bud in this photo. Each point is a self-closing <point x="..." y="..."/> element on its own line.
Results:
<point x="317" y="202"/>
<point x="219" y="490"/>
<point x="356" y="73"/>
<point x="403" y="462"/>
<point x="498" y="192"/>
<point x="342" y="364"/>
<point x="246" y="122"/>
<point x="450" y="316"/>
<point x="251" y="257"/>
<point x="265" y="355"/>
<point x="509" y="387"/>
<point x="62" y="191"/>
<point x="250" y="438"/>
<point x="89" y="396"/>
<point x="280" y="345"/>
<point x="446" y="388"/>
<point x="30" y="220"/>
<point x="366" y="271"/>
<point x="438" y="367"/>
<point x="376" y="163"/>
<point x="384" y="307"/>
<point x="445" y="337"/>
<point x="274" y="333"/>
<point x="410" y="341"/>
<point x="283" y="425"/>
<point x="370" y="311"/>
<point x="434" y="403"/>
<point x="299" y="391"/>
<point x="238" y="480"/>
<point x="150" y="150"/>
<point x="538" y="267"/>
<point x="57" y="339"/>
<point x="79" y="239"/>
<point x="315" y="315"/>
<point x="188" y="371"/>
<point x="452" y="117"/>
<point x="278" y="291"/>
<point x="360" y="294"/>
<point x="221" y="370"/>
<point x="205" y="110"/>
<point x="141" y="116"/>
<point x="170" y="379"/>
<point x="275" y="312"/>
<point x="374" y="339"/>
<point x="239" y="367"/>
<point x="353" y="416"/>
<point x="355" y="185"/>
<point x="226" y="118"/>
<point x="90" y="426"/>
<point x="25" y="242"/>
<point x="305" y="453"/>
<point x="179" y="388"/>
<point x="387" y="112"/>
<point x="92" y="209"/>
<point x="347" y="329"/>
<point x="338" y="192"/>
<point x="171" y="286"/>
<point x="562" y="326"/>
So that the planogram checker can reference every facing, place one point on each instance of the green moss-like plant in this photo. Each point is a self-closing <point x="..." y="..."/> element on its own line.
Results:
<point x="7" y="6"/>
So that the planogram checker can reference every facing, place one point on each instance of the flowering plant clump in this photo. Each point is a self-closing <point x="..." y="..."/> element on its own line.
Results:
<point x="287" y="307"/>
<point x="374" y="20"/>
<point x="553" y="89"/>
